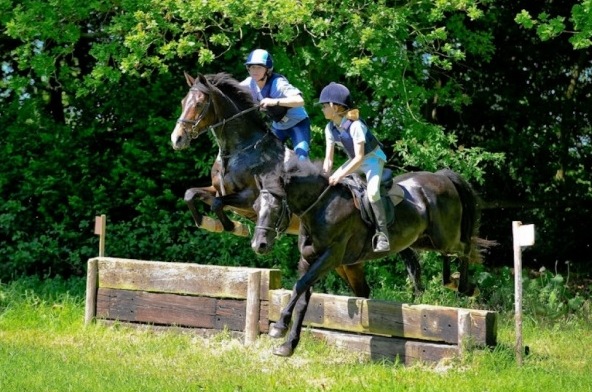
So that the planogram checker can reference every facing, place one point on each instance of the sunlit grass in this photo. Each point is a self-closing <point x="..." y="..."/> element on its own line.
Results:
<point x="44" y="346"/>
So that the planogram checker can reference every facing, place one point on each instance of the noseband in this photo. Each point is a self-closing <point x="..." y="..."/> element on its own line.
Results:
<point x="283" y="221"/>
<point x="193" y="134"/>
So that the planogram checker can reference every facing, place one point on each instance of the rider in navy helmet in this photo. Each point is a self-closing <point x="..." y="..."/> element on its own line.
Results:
<point x="365" y="154"/>
<point x="282" y="102"/>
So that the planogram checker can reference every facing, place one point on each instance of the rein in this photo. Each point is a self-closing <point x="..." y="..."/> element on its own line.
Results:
<point x="224" y="121"/>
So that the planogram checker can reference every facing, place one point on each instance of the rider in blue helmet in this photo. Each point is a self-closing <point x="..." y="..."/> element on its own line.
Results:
<point x="364" y="151"/>
<point x="282" y="101"/>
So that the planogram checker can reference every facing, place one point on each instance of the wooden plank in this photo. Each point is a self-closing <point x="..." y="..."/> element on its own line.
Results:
<point x="483" y="327"/>
<point x="264" y="317"/>
<point x="90" y="308"/>
<point x="182" y="278"/>
<point x="421" y="322"/>
<point x="388" y="348"/>
<point x="252" y="309"/>
<point x="171" y="309"/>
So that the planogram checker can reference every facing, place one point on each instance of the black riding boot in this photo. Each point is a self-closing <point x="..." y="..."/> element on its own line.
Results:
<point x="380" y="241"/>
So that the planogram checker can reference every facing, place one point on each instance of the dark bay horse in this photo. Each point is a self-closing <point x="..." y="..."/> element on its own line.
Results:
<point x="434" y="212"/>
<point x="218" y="103"/>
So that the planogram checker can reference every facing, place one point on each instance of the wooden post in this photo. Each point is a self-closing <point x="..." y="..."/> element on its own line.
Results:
<point x="253" y="304"/>
<point x="100" y="227"/>
<point x="522" y="236"/>
<point x="464" y="330"/>
<point x="90" y="310"/>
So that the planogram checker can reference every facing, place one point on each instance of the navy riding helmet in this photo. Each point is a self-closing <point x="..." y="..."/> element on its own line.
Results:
<point x="336" y="93"/>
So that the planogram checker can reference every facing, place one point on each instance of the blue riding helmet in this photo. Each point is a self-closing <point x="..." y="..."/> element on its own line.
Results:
<point x="336" y="93"/>
<point x="260" y="57"/>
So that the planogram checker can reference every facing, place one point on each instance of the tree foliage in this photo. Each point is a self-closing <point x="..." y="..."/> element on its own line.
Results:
<point x="90" y="91"/>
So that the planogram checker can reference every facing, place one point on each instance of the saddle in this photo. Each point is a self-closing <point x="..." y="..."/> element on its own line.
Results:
<point x="391" y="194"/>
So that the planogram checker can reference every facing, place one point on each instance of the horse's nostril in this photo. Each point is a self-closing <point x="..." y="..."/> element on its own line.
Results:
<point x="261" y="247"/>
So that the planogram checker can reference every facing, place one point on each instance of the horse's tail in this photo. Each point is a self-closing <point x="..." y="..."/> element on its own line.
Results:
<point x="471" y="217"/>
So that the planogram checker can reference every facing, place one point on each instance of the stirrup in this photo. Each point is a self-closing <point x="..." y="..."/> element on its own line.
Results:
<point x="380" y="242"/>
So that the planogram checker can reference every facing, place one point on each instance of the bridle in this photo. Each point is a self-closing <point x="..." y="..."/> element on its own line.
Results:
<point x="193" y="134"/>
<point x="283" y="220"/>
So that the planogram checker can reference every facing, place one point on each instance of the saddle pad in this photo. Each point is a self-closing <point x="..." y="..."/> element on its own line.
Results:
<point x="396" y="194"/>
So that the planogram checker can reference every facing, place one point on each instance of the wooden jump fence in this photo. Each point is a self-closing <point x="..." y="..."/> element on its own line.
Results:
<point x="245" y="301"/>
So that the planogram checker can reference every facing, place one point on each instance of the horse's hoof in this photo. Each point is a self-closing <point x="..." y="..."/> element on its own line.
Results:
<point x="240" y="229"/>
<point x="276" y="332"/>
<point x="212" y="225"/>
<point x="283" y="351"/>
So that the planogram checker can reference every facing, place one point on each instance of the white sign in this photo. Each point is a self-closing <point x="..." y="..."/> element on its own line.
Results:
<point x="525" y="235"/>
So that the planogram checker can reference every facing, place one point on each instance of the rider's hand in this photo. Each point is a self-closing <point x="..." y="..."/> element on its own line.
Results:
<point x="268" y="102"/>
<point x="334" y="179"/>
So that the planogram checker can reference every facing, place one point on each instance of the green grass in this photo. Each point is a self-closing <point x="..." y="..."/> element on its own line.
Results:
<point x="44" y="346"/>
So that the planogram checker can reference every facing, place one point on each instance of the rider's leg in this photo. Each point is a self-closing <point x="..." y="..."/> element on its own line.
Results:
<point x="373" y="177"/>
<point x="300" y="136"/>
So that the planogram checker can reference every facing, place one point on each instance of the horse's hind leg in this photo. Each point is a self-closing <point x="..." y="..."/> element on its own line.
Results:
<point x="458" y="281"/>
<point x="411" y="261"/>
<point x="465" y="286"/>
<point x="356" y="279"/>
<point x="446" y="277"/>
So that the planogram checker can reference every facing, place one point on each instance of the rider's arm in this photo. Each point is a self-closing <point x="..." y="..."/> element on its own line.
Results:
<point x="292" y="101"/>
<point x="350" y="166"/>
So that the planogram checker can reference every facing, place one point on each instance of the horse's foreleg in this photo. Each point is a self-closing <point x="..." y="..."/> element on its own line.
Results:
<point x="205" y="195"/>
<point x="280" y="327"/>
<point x="241" y="200"/>
<point x="288" y="347"/>
<point x="299" y="303"/>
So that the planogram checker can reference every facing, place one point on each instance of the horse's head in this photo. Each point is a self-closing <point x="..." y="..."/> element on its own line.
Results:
<point x="273" y="219"/>
<point x="197" y="112"/>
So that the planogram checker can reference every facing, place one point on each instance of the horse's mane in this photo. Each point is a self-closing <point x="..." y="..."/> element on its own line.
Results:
<point x="303" y="168"/>
<point x="232" y="88"/>
<point x="305" y="171"/>
<point x="239" y="94"/>
<point x="293" y="169"/>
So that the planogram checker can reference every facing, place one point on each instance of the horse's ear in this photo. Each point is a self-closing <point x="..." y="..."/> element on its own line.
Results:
<point x="203" y="80"/>
<point x="190" y="80"/>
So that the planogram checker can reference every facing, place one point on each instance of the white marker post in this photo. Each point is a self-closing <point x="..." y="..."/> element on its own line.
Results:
<point x="100" y="227"/>
<point x="523" y="236"/>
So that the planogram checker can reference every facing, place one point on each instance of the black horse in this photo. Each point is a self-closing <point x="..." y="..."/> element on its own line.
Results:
<point x="433" y="211"/>
<point x="246" y="147"/>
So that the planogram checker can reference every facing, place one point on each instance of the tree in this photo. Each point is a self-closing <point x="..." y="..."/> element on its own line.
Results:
<point x="90" y="92"/>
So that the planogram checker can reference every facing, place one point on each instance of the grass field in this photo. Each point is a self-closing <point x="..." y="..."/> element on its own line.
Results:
<point x="44" y="346"/>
